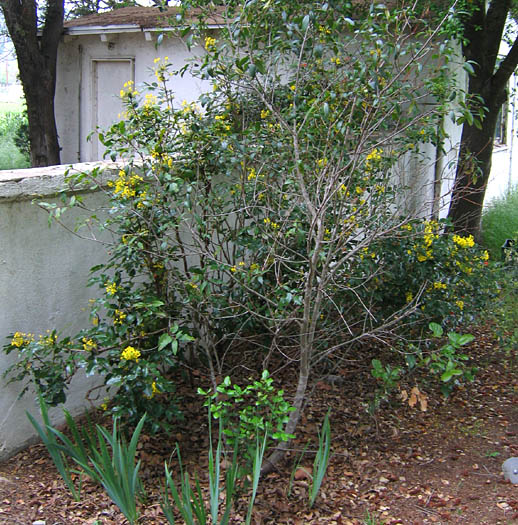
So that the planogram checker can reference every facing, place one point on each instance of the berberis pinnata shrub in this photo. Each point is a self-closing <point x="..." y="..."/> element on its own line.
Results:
<point x="258" y="216"/>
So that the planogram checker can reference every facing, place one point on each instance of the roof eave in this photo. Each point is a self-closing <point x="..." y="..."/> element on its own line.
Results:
<point x="122" y="28"/>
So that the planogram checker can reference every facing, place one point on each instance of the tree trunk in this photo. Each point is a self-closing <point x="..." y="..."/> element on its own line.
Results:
<point x="472" y="175"/>
<point x="37" y="56"/>
<point x="483" y="33"/>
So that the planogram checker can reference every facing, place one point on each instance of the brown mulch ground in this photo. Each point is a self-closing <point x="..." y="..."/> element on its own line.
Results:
<point x="406" y="466"/>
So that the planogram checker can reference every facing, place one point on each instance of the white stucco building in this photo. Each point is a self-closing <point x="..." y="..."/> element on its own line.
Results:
<point x="98" y="54"/>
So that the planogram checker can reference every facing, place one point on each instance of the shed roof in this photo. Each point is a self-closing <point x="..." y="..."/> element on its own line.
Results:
<point x="131" y="18"/>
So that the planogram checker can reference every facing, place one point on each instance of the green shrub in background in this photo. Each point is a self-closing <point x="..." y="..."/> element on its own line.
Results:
<point x="500" y="222"/>
<point x="445" y="278"/>
<point x="14" y="152"/>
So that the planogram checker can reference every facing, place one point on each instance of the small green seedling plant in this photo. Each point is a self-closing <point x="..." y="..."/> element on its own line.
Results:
<point x="447" y="361"/>
<point x="257" y="409"/>
<point x="388" y="378"/>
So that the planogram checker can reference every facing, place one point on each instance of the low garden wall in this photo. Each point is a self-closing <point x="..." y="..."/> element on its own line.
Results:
<point x="43" y="274"/>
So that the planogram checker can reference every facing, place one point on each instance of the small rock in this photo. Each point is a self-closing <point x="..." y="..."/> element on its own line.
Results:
<point x="39" y="522"/>
<point x="510" y="470"/>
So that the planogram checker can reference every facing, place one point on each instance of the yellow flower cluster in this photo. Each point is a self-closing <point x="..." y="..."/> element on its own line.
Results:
<point x="366" y="253"/>
<point x="190" y="108"/>
<point x="270" y="223"/>
<point x="210" y="43"/>
<point x="439" y="286"/>
<point x="240" y="266"/>
<point x="125" y="185"/>
<point x="130" y="354"/>
<point x="373" y="159"/>
<point x="221" y="119"/>
<point x="324" y="30"/>
<point x="264" y="113"/>
<point x="464" y="242"/>
<point x="128" y="89"/>
<point x="119" y="317"/>
<point x="154" y="390"/>
<point x="429" y="236"/>
<point x="149" y="100"/>
<point x="111" y="288"/>
<point x="161" y="68"/>
<point x="322" y="163"/>
<point x="88" y="344"/>
<point x="20" y="339"/>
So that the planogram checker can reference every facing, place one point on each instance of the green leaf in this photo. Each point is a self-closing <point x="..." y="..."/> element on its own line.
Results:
<point x="305" y="23"/>
<point x="436" y="329"/>
<point x="164" y="340"/>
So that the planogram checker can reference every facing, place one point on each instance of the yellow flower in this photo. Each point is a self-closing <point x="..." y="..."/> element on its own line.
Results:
<point x="322" y="163"/>
<point x="88" y="344"/>
<point x="372" y="159"/>
<point x="464" y="242"/>
<point x="460" y="304"/>
<point x="335" y="60"/>
<point x="17" y="339"/>
<point x="264" y="113"/>
<point x="254" y="266"/>
<point x="252" y="175"/>
<point x="233" y="269"/>
<point x="154" y="390"/>
<point x="130" y="354"/>
<point x="210" y="43"/>
<point x="439" y="286"/>
<point x="119" y="317"/>
<point x="111" y="288"/>
<point x="409" y="297"/>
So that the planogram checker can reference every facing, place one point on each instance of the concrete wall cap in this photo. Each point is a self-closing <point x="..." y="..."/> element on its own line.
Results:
<point x="31" y="183"/>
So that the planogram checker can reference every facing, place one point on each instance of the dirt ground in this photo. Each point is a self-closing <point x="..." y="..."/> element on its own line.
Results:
<point x="406" y="466"/>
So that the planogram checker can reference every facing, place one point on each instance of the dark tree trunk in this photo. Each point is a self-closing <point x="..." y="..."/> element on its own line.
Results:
<point x="37" y="56"/>
<point x="483" y="31"/>
<point x="472" y="174"/>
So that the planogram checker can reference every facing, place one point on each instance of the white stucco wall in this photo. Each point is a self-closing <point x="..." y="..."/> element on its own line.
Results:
<point x="76" y="91"/>
<point x="504" y="163"/>
<point x="43" y="275"/>
<point x="504" y="167"/>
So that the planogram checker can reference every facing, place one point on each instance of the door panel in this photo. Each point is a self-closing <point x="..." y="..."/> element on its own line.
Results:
<point x="109" y="77"/>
